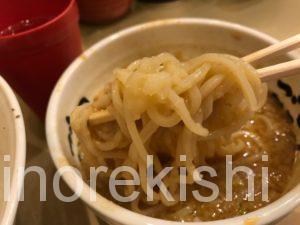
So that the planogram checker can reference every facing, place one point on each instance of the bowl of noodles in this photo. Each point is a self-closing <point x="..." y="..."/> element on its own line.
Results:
<point x="12" y="151"/>
<point x="162" y="112"/>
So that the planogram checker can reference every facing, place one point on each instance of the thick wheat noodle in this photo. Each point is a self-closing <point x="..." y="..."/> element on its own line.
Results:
<point x="110" y="144"/>
<point x="145" y="134"/>
<point x="162" y="120"/>
<point x="210" y="85"/>
<point x="266" y="121"/>
<point x="117" y="110"/>
<point x="196" y="77"/>
<point x="161" y="95"/>
<point x="252" y="136"/>
<point x="237" y="72"/>
<point x="181" y="109"/>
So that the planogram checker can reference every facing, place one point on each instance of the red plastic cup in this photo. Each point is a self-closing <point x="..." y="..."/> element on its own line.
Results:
<point x="102" y="11"/>
<point x="38" y="40"/>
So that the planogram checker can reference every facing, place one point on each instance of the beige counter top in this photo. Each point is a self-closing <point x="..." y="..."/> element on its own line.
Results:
<point x="279" y="18"/>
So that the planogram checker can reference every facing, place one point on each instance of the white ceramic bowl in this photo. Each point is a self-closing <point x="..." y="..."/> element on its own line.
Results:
<point x="184" y="37"/>
<point x="12" y="144"/>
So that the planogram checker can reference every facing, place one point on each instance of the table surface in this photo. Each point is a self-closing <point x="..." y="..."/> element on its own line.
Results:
<point x="279" y="18"/>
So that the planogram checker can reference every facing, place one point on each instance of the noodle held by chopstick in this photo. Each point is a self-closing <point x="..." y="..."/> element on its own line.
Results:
<point x="205" y="98"/>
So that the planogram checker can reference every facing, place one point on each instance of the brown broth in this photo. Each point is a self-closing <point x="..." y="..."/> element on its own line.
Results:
<point x="279" y="143"/>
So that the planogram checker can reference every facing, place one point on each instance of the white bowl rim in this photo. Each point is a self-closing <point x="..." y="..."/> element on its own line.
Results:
<point x="10" y="210"/>
<point x="121" y="215"/>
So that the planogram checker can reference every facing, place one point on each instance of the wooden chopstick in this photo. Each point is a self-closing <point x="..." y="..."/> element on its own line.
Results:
<point x="102" y="116"/>
<point x="279" y="71"/>
<point x="273" y="50"/>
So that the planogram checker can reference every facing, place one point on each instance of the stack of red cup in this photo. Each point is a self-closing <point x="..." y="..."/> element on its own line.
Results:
<point x="38" y="41"/>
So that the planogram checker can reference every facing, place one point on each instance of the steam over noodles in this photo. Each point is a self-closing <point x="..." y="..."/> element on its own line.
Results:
<point x="166" y="108"/>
